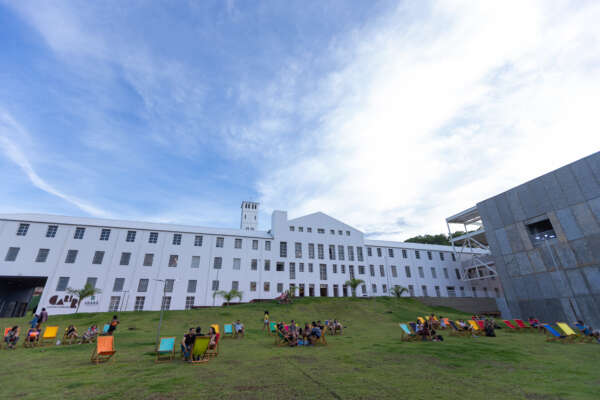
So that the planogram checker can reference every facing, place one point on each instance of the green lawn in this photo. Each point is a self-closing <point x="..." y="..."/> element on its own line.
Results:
<point x="368" y="362"/>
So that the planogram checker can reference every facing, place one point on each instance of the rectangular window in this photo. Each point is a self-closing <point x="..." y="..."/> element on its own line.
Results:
<point x="323" y="272"/>
<point x="237" y="263"/>
<point x="446" y="273"/>
<point x="266" y="286"/>
<point x="253" y="286"/>
<point x="451" y="291"/>
<point x="407" y="270"/>
<point x="62" y="284"/>
<point x="300" y="229"/>
<point x="218" y="263"/>
<point x="166" y="303"/>
<point x="115" y="301"/>
<point x="22" y="230"/>
<point x="255" y="245"/>
<point x="411" y="290"/>
<point x="148" y="259"/>
<point x="374" y="288"/>
<point x="421" y="273"/>
<point x="343" y="268"/>
<point x="125" y="257"/>
<point x="394" y="271"/>
<point x="169" y="283"/>
<point x="363" y="289"/>
<point x="433" y="273"/>
<point x="105" y="234"/>
<point x="391" y="253"/>
<point x="320" y="230"/>
<point x="79" y="232"/>
<point x="177" y="239"/>
<point x="235" y="285"/>
<point x="379" y="252"/>
<point x="351" y="271"/>
<point x="332" y="231"/>
<point x="462" y="292"/>
<point x="424" y="289"/>
<point x="384" y="288"/>
<point x="298" y="249"/>
<point x="350" y="253"/>
<point x="98" y="257"/>
<point x="453" y="256"/>
<point x="267" y="265"/>
<point x="237" y="243"/>
<point x="254" y="264"/>
<point x="320" y="252"/>
<point x="192" y="283"/>
<point x="311" y="250"/>
<point x="143" y="285"/>
<point x="91" y="281"/>
<point x="474" y="291"/>
<point x="309" y="229"/>
<point x="359" y="254"/>
<point x="438" y="293"/>
<point x="361" y="269"/>
<point x="291" y="229"/>
<point x="341" y="256"/>
<point x="282" y="249"/>
<point x="215" y="285"/>
<point x="195" y="262"/>
<point x="267" y="245"/>
<point x="279" y="287"/>
<point x="118" y="284"/>
<point x="485" y="292"/>
<point x="310" y="268"/>
<point x="71" y="256"/>
<point x="198" y="240"/>
<point x="153" y="238"/>
<point x="280" y="267"/>
<point x="404" y="253"/>
<point x="292" y="270"/>
<point x="381" y="270"/>
<point x="417" y="254"/>
<point x="457" y="272"/>
<point x="139" y="303"/>
<point x="334" y="268"/>
<point x="429" y="256"/>
<point x="332" y="252"/>
<point x="301" y="267"/>
<point x="173" y="260"/>
<point x="372" y="270"/>
<point x="51" y="232"/>
<point x="189" y="302"/>
<point x="130" y="236"/>
<point x="441" y="256"/>
<point x="42" y="255"/>
<point x="220" y="242"/>
<point x="369" y="252"/>
<point x="347" y="233"/>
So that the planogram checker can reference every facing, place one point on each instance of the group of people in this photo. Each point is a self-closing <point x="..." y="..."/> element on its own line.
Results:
<point x="189" y="339"/>
<point x="296" y="335"/>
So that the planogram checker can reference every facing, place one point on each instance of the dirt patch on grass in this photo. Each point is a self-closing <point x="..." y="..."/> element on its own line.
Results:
<point x="540" y="396"/>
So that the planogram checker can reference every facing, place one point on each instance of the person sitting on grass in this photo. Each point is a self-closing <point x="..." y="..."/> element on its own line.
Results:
<point x="212" y="334"/>
<point x="186" y="344"/>
<point x="315" y="333"/>
<point x="12" y="337"/>
<point x="337" y="327"/>
<point x="71" y="332"/>
<point x="113" y="325"/>
<point x="489" y="328"/>
<point x="33" y="335"/>
<point x="90" y="334"/>
<point x="239" y="328"/>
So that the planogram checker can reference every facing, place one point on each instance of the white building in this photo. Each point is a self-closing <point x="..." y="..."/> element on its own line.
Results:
<point x="131" y="261"/>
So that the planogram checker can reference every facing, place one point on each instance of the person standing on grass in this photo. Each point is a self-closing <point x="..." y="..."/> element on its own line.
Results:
<point x="266" y="320"/>
<point x="43" y="316"/>
<point x="34" y="321"/>
<point x="113" y="325"/>
<point x="186" y="344"/>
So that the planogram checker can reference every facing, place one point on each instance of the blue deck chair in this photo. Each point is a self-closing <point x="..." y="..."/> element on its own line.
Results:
<point x="554" y="335"/>
<point x="166" y="349"/>
<point x="105" y="329"/>
<point x="227" y="330"/>
<point x="407" y="335"/>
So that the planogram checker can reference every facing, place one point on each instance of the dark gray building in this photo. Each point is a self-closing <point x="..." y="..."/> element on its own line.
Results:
<point x="544" y="237"/>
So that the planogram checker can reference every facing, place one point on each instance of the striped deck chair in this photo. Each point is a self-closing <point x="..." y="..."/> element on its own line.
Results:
<point x="510" y="325"/>
<point x="407" y="335"/>
<point x="49" y="334"/>
<point x="166" y="349"/>
<point x="199" y="350"/>
<point x="553" y="334"/>
<point x="227" y="330"/>
<point x="521" y="324"/>
<point x="105" y="349"/>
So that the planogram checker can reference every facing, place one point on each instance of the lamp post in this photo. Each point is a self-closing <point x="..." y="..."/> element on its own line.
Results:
<point x="162" y="308"/>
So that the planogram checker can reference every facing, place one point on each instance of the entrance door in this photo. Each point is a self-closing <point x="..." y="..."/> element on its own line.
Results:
<point x="345" y="290"/>
<point x="301" y="290"/>
<point x="323" y="291"/>
<point x="311" y="290"/>
<point x="335" y="291"/>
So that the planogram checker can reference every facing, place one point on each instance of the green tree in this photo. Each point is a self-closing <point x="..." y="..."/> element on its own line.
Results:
<point x="434" y="239"/>
<point x="228" y="296"/>
<point x="354" y="283"/>
<point x="87" y="291"/>
<point x="398" y="291"/>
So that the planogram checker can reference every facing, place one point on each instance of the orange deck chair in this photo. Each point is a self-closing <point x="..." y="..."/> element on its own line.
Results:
<point x="105" y="349"/>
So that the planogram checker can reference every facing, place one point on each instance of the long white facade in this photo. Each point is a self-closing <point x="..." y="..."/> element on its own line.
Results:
<point x="131" y="262"/>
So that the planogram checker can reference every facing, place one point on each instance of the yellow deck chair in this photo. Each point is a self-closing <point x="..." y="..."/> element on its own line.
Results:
<point x="421" y="320"/>
<point x="216" y="326"/>
<point x="474" y="325"/>
<point x="49" y="334"/>
<point x="570" y="333"/>
<point x="199" y="350"/>
<point x="105" y="349"/>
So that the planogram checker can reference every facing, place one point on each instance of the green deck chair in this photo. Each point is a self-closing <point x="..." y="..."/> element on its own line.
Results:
<point x="199" y="350"/>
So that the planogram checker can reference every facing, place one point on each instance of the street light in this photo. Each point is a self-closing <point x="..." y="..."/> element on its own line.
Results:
<point x="162" y="308"/>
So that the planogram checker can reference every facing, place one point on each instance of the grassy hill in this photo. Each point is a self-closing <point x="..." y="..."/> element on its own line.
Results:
<point x="369" y="361"/>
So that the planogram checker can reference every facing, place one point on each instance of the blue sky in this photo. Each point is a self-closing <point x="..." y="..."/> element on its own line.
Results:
<point x="387" y="115"/>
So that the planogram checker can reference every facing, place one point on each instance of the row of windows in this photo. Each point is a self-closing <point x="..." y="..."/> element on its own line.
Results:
<point x="405" y="253"/>
<point x="319" y="230"/>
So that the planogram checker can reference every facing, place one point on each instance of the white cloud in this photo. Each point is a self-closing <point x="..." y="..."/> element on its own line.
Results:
<point x="436" y="109"/>
<point x="12" y="133"/>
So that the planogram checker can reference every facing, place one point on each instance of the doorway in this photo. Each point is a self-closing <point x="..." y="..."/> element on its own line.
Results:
<point x="17" y="292"/>
<point x="311" y="290"/>
<point x="323" y="291"/>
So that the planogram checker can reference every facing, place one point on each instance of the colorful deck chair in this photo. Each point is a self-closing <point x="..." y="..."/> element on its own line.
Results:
<point x="481" y="324"/>
<point x="553" y="334"/>
<point x="216" y="326"/>
<point x="280" y="339"/>
<point x="272" y="328"/>
<point x="69" y="339"/>
<point x="105" y="329"/>
<point x="228" y="330"/>
<point x="166" y="349"/>
<point x="31" y="339"/>
<point x="521" y="324"/>
<point x="199" y="350"/>
<point x="421" y="320"/>
<point x="407" y="335"/>
<point x="584" y="332"/>
<point x="570" y="333"/>
<point x="49" y="334"/>
<point x="214" y="352"/>
<point x="510" y="325"/>
<point x="322" y="339"/>
<point x="473" y="325"/>
<point x="105" y="349"/>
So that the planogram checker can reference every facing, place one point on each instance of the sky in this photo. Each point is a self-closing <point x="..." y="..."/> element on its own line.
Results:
<point x="387" y="115"/>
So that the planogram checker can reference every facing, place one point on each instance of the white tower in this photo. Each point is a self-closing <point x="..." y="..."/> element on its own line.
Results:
<point x="249" y="218"/>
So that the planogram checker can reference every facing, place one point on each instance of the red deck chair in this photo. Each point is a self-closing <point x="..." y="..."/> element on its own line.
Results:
<point x="521" y="324"/>
<point x="509" y="324"/>
<point x="481" y="324"/>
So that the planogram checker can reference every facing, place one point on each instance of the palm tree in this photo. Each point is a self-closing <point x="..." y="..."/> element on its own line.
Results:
<point x="354" y="283"/>
<point x="87" y="291"/>
<point x="228" y="296"/>
<point x="398" y="291"/>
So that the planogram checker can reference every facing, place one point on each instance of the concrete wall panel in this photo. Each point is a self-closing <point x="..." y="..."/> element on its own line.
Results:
<point x="504" y="210"/>
<point x="594" y="163"/>
<point x="585" y="219"/>
<point x="525" y="267"/>
<point x="587" y="182"/>
<point x="554" y="191"/>
<point x="594" y="205"/>
<point x="594" y="246"/>
<point x="536" y="261"/>
<point x="503" y="241"/>
<point x="566" y="257"/>
<point x="514" y="238"/>
<point x="577" y="282"/>
<point x="569" y="224"/>
<point x="546" y="285"/>
<point x="592" y="275"/>
<point x="561" y="284"/>
<point x="583" y="254"/>
<point x="569" y="185"/>
<point x="512" y="266"/>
